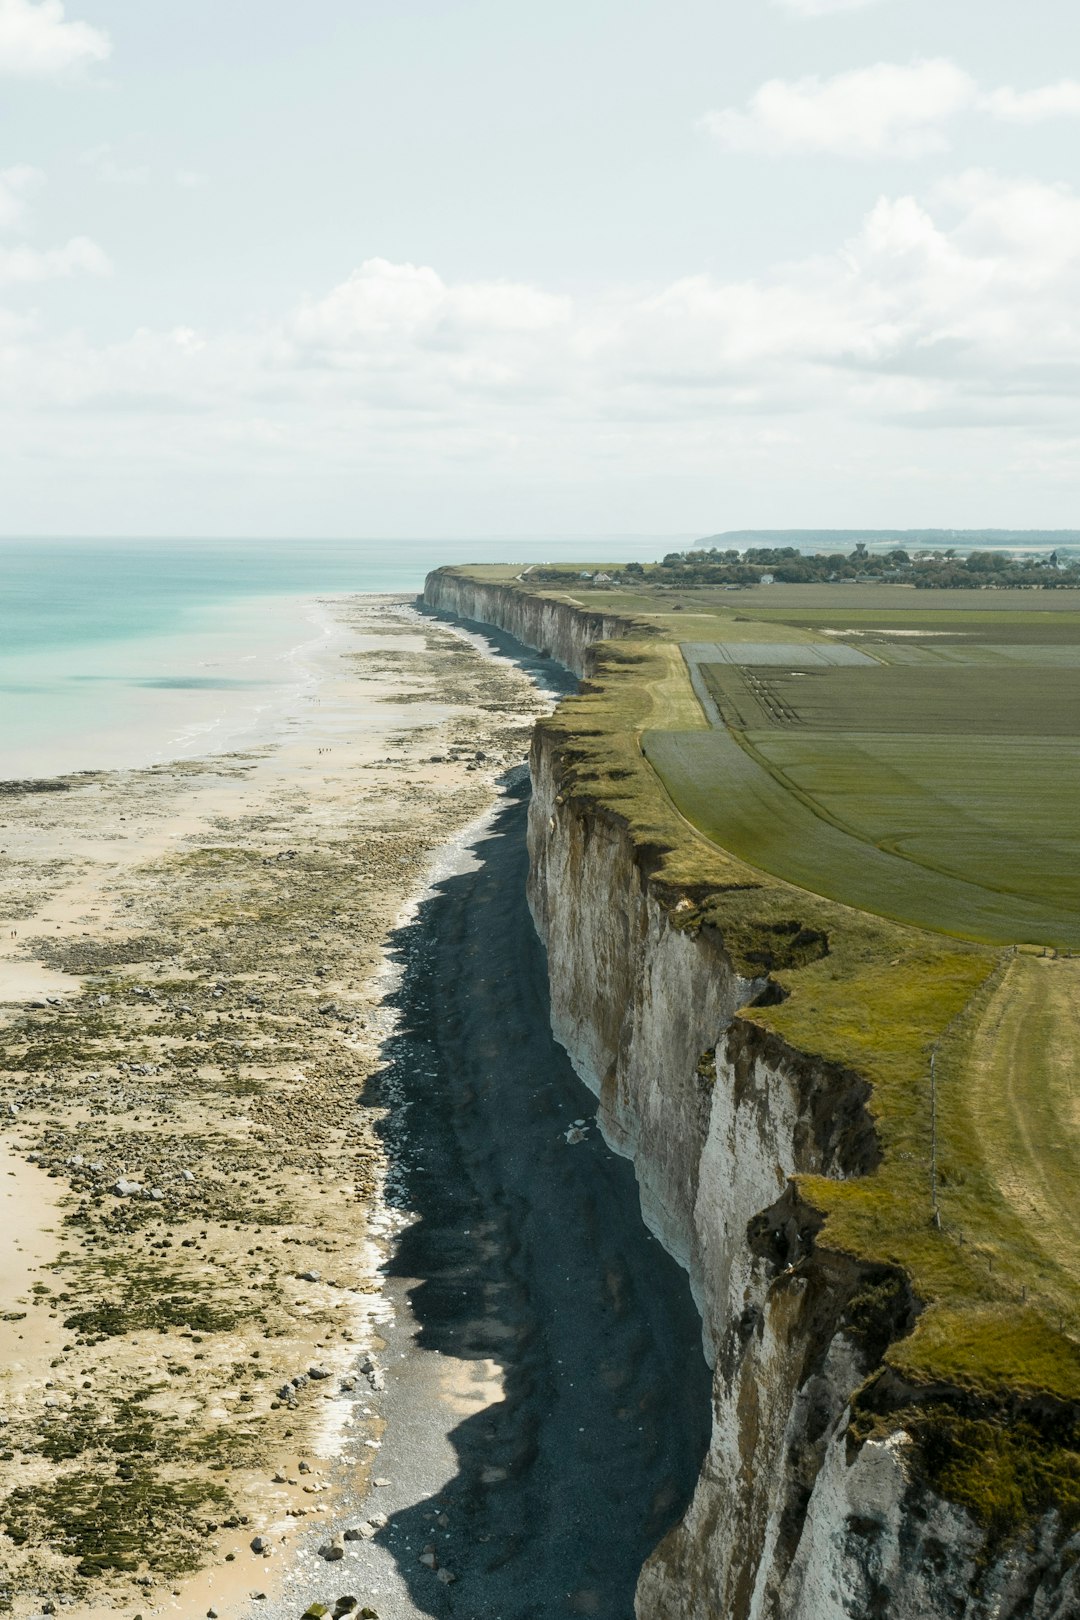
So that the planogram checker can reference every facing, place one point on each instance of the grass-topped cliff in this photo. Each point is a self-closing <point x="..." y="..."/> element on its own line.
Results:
<point x="868" y="796"/>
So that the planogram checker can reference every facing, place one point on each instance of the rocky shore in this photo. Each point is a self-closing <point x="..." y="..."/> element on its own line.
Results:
<point x="192" y="974"/>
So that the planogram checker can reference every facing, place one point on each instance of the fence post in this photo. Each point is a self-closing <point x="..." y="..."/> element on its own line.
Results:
<point x="935" y="1212"/>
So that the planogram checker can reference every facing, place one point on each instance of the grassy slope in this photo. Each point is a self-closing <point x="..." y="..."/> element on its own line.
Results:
<point x="878" y="1003"/>
<point x="1012" y="1095"/>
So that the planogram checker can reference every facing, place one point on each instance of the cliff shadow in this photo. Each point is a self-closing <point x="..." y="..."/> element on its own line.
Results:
<point x="526" y="1261"/>
<point x="549" y="675"/>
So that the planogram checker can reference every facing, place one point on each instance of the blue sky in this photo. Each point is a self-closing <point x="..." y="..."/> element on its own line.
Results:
<point x="480" y="268"/>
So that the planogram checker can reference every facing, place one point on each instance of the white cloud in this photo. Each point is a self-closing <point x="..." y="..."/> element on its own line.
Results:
<point x="23" y="263"/>
<point x="112" y="171"/>
<point x="957" y="310"/>
<point x="190" y="179"/>
<point x="884" y="110"/>
<point x="1061" y="100"/>
<point x="822" y="8"/>
<point x="37" y="42"/>
<point x="16" y="185"/>
<point x="27" y="264"/>
<point x="887" y="110"/>
<point x="390" y="303"/>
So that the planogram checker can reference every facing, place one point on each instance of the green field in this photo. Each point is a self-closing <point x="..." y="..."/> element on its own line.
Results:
<point x="875" y="830"/>
<point x="1010" y="1104"/>
<point x="931" y="780"/>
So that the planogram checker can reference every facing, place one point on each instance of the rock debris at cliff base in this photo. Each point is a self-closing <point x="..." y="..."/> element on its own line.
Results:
<point x="188" y="1302"/>
<point x="895" y="1418"/>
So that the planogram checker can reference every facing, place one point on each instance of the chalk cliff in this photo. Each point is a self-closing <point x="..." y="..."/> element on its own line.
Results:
<point x="812" y="1503"/>
<point x="552" y="627"/>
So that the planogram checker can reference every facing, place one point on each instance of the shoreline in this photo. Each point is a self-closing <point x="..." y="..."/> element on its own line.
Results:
<point x="153" y="862"/>
<point x="209" y="673"/>
<point x="538" y="1315"/>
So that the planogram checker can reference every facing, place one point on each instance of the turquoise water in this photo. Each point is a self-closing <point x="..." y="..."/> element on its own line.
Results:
<point x="125" y="652"/>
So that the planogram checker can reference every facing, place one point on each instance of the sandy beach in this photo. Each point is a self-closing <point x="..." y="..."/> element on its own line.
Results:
<point x="191" y="978"/>
<point x="318" y="1285"/>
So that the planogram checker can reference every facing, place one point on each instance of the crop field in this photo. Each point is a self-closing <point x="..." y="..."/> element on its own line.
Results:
<point x="994" y="891"/>
<point x="870" y="794"/>
<point x="922" y="764"/>
<point x="1000" y="700"/>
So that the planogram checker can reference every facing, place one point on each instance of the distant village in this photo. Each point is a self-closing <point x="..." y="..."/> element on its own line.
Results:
<point x="943" y="569"/>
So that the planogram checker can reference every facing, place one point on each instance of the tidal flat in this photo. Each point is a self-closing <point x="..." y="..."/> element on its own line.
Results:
<point x="192" y="984"/>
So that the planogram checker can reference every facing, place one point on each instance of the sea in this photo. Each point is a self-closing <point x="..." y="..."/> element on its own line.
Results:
<point x="123" y="653"/>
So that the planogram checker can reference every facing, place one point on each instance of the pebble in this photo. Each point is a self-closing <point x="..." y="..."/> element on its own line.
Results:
<point x="218" y="1183"/>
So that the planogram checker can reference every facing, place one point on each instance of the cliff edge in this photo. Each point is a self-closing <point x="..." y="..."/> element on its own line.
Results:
<point x="894" y="1435"/>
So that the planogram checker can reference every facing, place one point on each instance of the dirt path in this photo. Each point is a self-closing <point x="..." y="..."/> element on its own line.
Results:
<point x="1024" y="1107"/>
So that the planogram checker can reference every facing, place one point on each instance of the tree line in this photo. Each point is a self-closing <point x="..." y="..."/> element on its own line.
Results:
<point x="926" y="570"/>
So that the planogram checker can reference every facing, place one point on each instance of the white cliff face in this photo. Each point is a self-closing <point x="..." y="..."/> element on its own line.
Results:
<point x="615" y="963"/>
<point x="791" y="1520"/>
<point x="547" y="626"/>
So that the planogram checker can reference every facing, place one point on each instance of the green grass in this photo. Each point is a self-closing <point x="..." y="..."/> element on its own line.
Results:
<point x="1009" y="1097"/>
<point x="1007" y="699"/>
<point x="939" y="796"/>
<point x="875" y="996"/>
<point x="831" y="843"/>
<point x="996" y="813"/>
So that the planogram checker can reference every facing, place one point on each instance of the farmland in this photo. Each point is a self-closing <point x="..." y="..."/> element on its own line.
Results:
<point x="870" y="797"/>
<point x="1013" y="1100"/>
<point x="927" y="768"/>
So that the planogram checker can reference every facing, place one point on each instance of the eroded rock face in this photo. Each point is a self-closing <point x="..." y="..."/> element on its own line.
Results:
<point x="547" y="626"/>
<point x="791" y="1519"/>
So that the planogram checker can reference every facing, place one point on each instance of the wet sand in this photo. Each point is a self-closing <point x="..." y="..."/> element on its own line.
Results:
<point x="374" y="1121"/>
<point x="544" y="1321"/>
<point x="193" y="1274"/>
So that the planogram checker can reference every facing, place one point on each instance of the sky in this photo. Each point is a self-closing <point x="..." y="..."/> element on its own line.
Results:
<point x="473" y="268"/>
